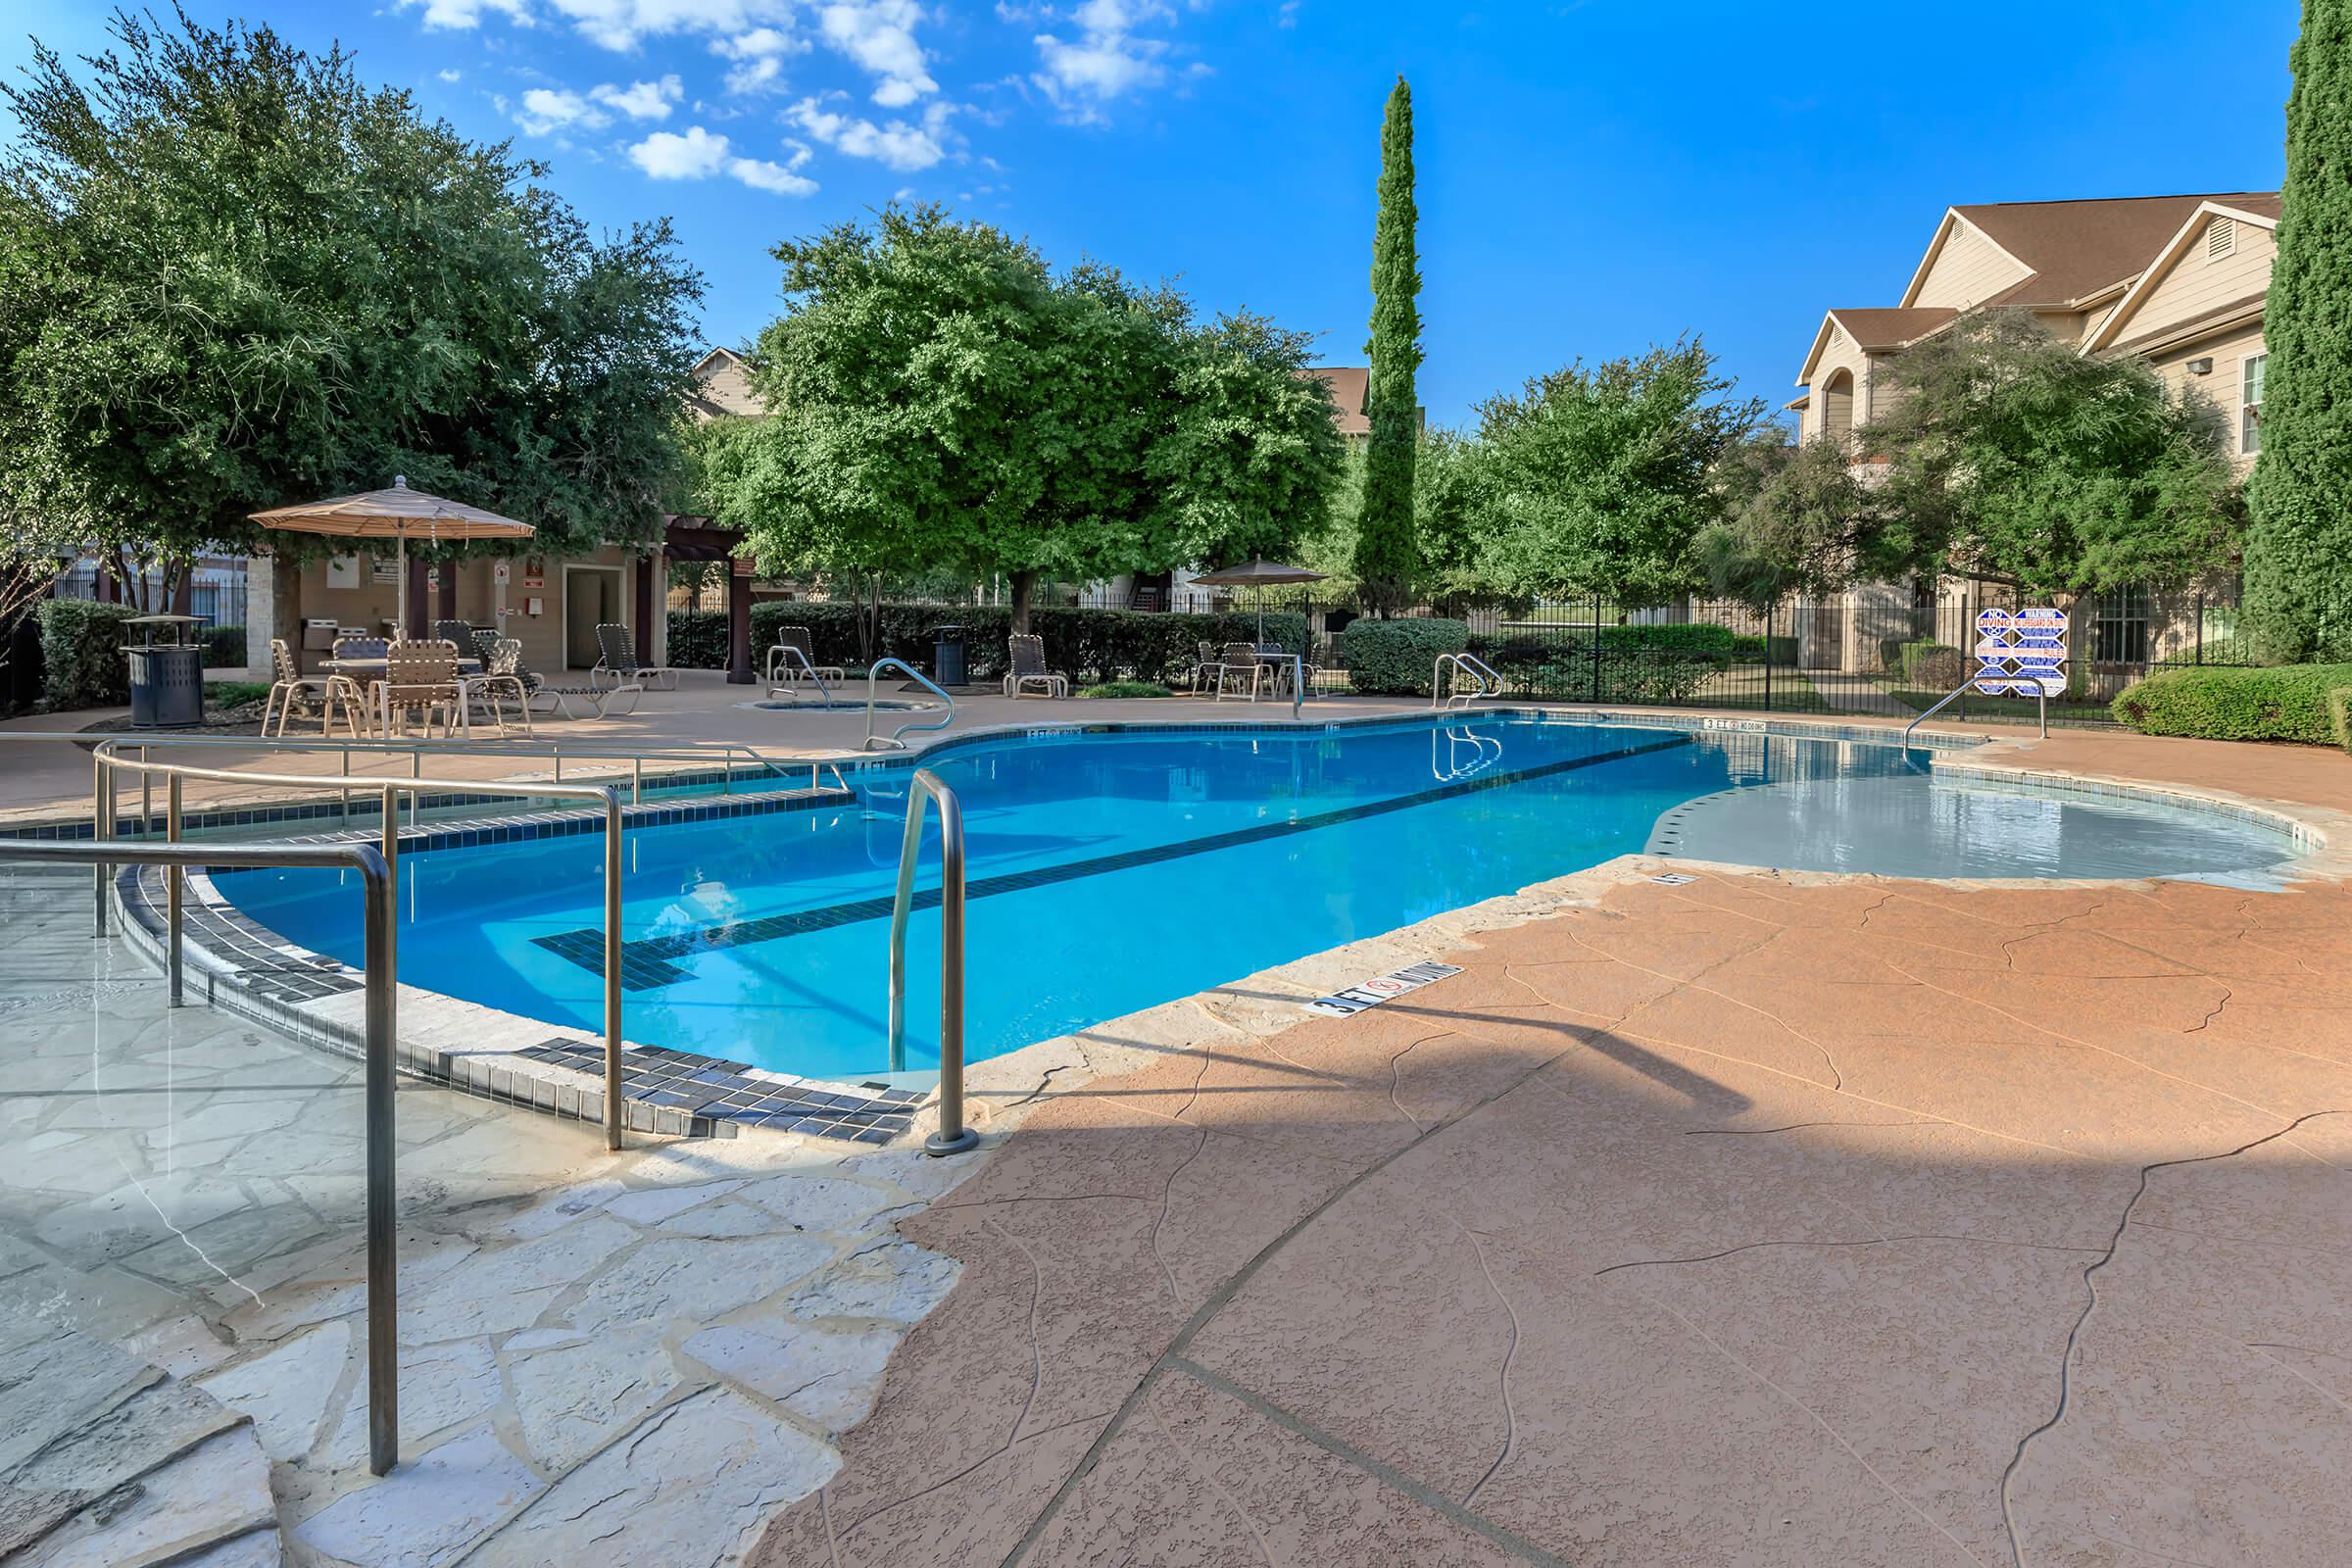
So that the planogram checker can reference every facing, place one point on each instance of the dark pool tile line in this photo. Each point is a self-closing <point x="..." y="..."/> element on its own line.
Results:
<point x="585" y="945"/>
<point x="717" y="1090"/>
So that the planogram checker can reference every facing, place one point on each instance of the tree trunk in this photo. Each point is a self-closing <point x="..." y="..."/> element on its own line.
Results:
<point x="1024" y="589"/>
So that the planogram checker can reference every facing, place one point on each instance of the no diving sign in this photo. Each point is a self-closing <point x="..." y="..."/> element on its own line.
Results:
<point x="1372" y="993"/>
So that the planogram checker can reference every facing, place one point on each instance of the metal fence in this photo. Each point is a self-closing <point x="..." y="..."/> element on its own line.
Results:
<point x="1884" y="651"/>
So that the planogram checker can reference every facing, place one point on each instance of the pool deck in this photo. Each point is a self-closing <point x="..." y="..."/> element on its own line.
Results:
<point x="1757" y="1219"/>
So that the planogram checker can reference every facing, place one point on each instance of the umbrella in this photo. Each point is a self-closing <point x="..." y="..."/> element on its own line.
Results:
<point x="1258" y="573"/>
<point x="395" y="514"/>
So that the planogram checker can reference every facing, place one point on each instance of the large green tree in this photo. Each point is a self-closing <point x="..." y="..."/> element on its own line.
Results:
<point x="1387" y="560"/>
<point x="947" y="402"/>
<point x="233" y="276"/>
<point x="2015" y="457"/>
<point x="1602" y="478"/>
<point x="2299" y="549"/>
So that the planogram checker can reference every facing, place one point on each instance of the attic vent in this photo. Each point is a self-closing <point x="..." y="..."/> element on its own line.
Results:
<point x="2220" y="238"/>
<point x="1837" y="334"/>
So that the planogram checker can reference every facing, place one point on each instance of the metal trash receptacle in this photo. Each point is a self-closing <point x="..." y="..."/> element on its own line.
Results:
<point x="167" y="677"/>
<point x="948" y="665"/>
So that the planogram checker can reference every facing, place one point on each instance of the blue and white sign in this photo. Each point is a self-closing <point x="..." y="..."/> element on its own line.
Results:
<point x="2021" y="652"/>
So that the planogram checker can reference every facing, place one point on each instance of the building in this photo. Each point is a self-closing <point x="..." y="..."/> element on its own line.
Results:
<point x="722" y="385"/>
<point x="2177" y="279"/>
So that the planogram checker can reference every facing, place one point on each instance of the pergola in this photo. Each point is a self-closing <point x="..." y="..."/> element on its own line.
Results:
<point x="688" y="537"/>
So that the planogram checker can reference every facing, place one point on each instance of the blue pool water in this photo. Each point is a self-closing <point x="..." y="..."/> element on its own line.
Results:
<point x="1112" y="871"/>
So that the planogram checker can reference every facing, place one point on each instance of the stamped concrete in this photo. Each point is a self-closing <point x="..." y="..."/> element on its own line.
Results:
<point x="1756" y="1219"/>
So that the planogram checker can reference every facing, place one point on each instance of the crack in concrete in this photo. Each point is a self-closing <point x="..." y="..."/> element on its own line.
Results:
<point x="1183" y="1457"/>
<point x="1872" y="1241"/>
<point x="1168" y="1188"/>
<point x="1836" y="1083"/>
<point x="1796" y="1126"/>
<point x="2074" y="1334"/>
<point x="1395" y="1084"/>
<point x="1510" y="1413"/>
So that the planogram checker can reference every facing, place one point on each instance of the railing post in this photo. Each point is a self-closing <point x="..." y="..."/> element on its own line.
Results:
<point x="383" y="1256"/>
<point x="613" y="1108"/>
<point x="953" y="1136"/>
<point x="102" y="831"/>
<point x="174" y="896"/>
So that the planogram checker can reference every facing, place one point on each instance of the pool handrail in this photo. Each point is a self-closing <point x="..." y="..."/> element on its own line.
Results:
<point x="953" y="1135"/>
<point x="2040" y="693"/>
<point x="379" y="1041"/>
<point x="891" y="742"/>
<point x="1490" y="683"/>
<point x="776" y="656"/>
<point x="105" y="817"/>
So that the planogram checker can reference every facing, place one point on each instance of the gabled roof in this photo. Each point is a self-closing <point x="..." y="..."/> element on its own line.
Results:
<point x="1349" y="385"/>
<point x="2262" y="211"/>
<point x="2077" y="252"/>
<point x="715" y="358"/>
<point x="1875" y="329"/>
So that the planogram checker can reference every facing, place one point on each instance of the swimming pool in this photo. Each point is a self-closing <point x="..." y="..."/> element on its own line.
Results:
<point x="1109" y="871"/>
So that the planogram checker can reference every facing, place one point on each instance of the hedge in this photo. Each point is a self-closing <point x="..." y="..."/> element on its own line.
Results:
<point x="1397" y="658"/>
<point x="2289" y="703"/>
<point x="1090" y="646"/>
<point x="2339" y="716"/>
<point x="81" y="646"/>
<point x="223" y="647"/>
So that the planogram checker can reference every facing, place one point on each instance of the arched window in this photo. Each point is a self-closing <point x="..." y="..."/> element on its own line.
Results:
<point x="1837" y="405"/>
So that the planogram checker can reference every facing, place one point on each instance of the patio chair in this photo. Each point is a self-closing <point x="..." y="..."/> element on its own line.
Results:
<point x="1209" y="668"/>
<point x="421" y="678"/>
<point x="361" y="646"/>
<point x="617" y="661"/>
<point x="592" y="700"/>
<point x="458" y="632"/>
<point x="794" y="658"/>
<point x="485" y="643"/>
<point x="503" y="676"/>
<point x="1283" y="668"/>
<point x="1241" y="663"/>
<point x="290" y="694"/>
<point x="1027" y="654"/>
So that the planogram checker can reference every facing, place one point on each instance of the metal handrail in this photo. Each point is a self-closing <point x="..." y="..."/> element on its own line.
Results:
<point x="953" y="1136"/>
<point x="382" y="993"/>
<point x="774" y="685"/>
<point x="1490" y="683"/>
<point x="892" y="742"/>
<point x="104" y="811"/>
<point x="2040" y="694"/>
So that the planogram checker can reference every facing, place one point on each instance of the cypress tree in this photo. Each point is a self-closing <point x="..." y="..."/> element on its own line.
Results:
<point x="1388" y="557"/>
<point x="2299" y="548"/>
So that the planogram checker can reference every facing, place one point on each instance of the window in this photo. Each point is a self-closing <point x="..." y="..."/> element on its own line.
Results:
<point x="2221" y="239"/>
<point x="2119" y="629"/>
<point x="2249" y="410"/>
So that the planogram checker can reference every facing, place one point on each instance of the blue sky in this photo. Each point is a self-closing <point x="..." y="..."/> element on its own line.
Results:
<point x="1595" y="176"/>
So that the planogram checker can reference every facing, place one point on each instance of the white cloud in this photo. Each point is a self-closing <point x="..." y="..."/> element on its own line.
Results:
<point x="545" y="110"/>
<point x="758" y="57"/>
<point x="697" y="155"/>
<point x="465" y="14"/>
<point x="879" y="34"/>
<point x="619" y="24"/>
<point x="1107" y="60"/>
<point x="897" y="144"/>
<point x="449" y="76"/>
<point x="641" y="100"/>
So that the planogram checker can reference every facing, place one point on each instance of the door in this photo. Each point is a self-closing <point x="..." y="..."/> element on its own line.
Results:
<point x="591" y="598"/>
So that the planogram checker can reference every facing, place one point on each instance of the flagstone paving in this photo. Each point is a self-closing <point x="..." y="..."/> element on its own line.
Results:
<point x="606" y="1359"/>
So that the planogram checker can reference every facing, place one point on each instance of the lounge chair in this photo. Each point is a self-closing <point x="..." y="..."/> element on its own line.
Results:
<point x="1028" y="658"/>
<point x="458" y="632"/>
<point x="503" y="676"/>
<point x="1242" y="664"/>
<point x="793" y="659"/>
<point x="593" y="700"/>
<point x="291" y="692"/>
<point x="617" y="663"/>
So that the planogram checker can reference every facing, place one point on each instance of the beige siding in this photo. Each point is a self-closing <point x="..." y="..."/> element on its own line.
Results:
<point x="2225" y="385"/>
<point x="1968" y="270"/>
<point x="2195" y="285"/>
<point x="724" y="383"/>
<point x="1841" y="354"/>
<point x="470" y="594"/>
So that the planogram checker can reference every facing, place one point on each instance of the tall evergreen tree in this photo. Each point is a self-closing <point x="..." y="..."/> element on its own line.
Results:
<point x="2299" y="552"/>
<point x="1388" y="557"/>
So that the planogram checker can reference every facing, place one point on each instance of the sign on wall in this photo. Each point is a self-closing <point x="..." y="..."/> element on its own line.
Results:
<point x="2021" y="652"/>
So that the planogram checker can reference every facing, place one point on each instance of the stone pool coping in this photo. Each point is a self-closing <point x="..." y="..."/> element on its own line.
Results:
<point x="249" y="969"/>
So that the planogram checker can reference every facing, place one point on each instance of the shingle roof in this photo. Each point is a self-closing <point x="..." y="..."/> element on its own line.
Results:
<point x="1874" y="328"/>
<point x="1347" y="383"/>
<point x="2082" y="248"/>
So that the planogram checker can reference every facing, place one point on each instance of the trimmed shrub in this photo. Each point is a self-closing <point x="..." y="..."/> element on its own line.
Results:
<point x="1090" y="646"/>
<point x="223" y="647"/>
<point x="81" y="644"/>
<point x="1930" y="663"/>
<point x="2290" y="702"/>
<point x="1126" y="688"/>
<point x="1395" y="657"/>
<point x="2339" y="716"/>
<point x="1697" y="637"/>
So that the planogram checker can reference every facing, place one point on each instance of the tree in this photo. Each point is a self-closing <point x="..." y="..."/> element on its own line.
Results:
<point x="232" y="276"/>
<point x="1603" y="479"/>
<point x="1796" y="519"/>
<point x="1386" y="562"/>
<point x="2013" y="456"/>
<point x="2299" y="550"/>
<point x="946" y="402"/>
<point x="1453" y="514"/>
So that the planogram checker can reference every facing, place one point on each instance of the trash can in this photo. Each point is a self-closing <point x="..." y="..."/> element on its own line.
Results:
<point x="948" y="664"/>
<point x="166" y="672"/>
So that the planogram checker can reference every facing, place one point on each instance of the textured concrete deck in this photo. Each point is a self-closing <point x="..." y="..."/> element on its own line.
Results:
<point x="1755" y="1220"/>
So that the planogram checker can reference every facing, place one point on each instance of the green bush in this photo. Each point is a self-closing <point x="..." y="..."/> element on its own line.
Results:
<point x="1090" y="646"/>
<point x="1126" y="688"/>
<point x="1395" y="657"/>
<point x="2290" y="702"/>
<point x="2339" y="716"/>
<point x="235" y="693"/>
<point x="223" y="647"/>
<point x="1933" y="665"/>
<point x="1697" y="637"/>
<point x="81" y="643"/>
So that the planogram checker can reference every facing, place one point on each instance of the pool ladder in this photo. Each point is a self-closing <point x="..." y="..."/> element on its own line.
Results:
<point x="891" y="742"/>
<point x="926" y="787"/>
<point x="1487" y="682"/>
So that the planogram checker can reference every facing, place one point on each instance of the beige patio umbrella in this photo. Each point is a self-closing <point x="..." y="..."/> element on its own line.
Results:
<point x="400" y="515"/>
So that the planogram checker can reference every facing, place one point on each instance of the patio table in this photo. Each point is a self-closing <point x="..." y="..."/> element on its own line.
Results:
<point x="370" y="672"/>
